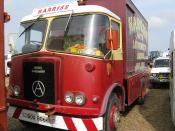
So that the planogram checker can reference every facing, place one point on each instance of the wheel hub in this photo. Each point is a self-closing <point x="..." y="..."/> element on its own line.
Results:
<point x="114" y="117"/>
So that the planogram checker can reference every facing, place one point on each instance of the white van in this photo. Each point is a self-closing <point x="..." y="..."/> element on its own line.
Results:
<point x="172" y="76"/>
<point x="160" y="71"/>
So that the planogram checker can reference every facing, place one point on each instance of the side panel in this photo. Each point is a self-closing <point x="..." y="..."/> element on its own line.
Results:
<point x="136" y="52"/>
<point x="136" y="42"/>
<point x="136" y="87"/>
<point x="130" y="53"/>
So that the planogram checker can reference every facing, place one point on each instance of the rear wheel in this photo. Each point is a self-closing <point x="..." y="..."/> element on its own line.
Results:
<point x="141" y="99"/>
<point x="112" y="115"/>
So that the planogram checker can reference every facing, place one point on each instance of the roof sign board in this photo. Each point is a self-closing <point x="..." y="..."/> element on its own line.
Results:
<point x="55" y="8"/>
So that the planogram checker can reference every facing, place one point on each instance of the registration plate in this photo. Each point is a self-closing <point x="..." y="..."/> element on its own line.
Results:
<point x="36" y="117"/>
<point x="40" y="118"/>
<point x="161" y="77"/>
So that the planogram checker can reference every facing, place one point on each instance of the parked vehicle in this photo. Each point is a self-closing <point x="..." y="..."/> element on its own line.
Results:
<point x="160" y="72"/>
<point x="153" y="55"/>
<point x="165" y="54"/>
<point x="172" y="76"/>
<point x="77" y="66"/>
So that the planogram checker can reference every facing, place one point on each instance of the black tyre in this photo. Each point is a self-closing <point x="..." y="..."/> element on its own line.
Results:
<point x="112" y="115"/>
<point x="141" y="101"/>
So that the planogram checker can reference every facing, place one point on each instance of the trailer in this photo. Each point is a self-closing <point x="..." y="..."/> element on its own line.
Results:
<point x="79" y="64"/>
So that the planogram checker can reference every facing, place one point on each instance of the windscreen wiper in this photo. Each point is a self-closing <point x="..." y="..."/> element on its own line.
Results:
<point x="68" y="24"/>
<point x="28" y="27"/>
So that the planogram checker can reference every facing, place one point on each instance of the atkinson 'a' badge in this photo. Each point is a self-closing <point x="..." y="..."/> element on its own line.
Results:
<point x="38" y="88"/>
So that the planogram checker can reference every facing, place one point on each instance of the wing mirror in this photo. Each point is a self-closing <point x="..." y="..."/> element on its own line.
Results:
<point x="112" y="40"/>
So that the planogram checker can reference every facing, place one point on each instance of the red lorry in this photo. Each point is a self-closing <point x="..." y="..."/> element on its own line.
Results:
<point x="78" y="65"/>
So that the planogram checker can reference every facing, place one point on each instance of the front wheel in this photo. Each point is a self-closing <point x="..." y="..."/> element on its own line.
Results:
<point x="112" y="115"/>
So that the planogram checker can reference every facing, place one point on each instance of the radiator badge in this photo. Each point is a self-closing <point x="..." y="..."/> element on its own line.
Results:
<point x="38" y="88"/>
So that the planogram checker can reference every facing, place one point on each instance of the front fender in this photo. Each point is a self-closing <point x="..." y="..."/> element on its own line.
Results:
<point x="107" y="96"/>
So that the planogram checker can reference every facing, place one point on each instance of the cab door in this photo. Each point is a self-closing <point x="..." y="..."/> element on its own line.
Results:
<point x="116" y="51"/>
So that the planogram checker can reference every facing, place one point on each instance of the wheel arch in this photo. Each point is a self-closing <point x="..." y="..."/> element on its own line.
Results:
<point x="117" y="89"/>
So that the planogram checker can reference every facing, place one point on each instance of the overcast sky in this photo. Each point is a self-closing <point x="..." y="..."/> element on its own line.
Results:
<point x="160" y="15"/>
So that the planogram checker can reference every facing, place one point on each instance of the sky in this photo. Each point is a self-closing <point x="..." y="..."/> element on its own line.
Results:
<point x="160" y="15"/>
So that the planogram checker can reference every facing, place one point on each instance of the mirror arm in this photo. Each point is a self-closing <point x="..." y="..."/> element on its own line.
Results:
<point x="111" y="41"/>
<point x="107" y="54"/>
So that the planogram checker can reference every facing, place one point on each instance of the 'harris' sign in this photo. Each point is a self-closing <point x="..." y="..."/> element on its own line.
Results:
<point x="54" y="8"/>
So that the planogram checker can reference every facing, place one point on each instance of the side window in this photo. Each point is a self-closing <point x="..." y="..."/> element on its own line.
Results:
<point x="115" y="27"/>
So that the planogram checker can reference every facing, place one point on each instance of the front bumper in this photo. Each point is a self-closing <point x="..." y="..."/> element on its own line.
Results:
<point x="159" y="80"/>
<point x="67" y="110"/>
<point x="56" y="121"/>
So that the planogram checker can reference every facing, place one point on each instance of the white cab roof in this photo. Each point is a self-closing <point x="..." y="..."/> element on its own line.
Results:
<point x="76" y="10"/>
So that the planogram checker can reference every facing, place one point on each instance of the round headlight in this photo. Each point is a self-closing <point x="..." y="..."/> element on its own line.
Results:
<point x="16" y="90"/>
<point x="80" y="99"/>
<point x="154" y="74"/>
<point x="69" y="97"/>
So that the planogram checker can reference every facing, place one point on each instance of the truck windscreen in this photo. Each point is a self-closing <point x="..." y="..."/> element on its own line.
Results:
<point x="85" y="35"/>
<point x="161" y="63"/>
<point x="31" y="38"/>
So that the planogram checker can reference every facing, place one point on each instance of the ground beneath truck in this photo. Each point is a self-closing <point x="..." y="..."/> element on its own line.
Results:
<point x="154" y="115"/>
